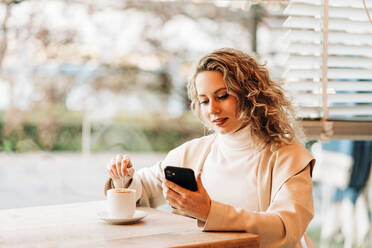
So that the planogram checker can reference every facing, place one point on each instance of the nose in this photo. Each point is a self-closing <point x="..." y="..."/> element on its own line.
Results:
<point x="214" y="107"/>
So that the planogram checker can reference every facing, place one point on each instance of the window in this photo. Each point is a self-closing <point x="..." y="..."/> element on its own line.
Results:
<point x="338" y="35"/>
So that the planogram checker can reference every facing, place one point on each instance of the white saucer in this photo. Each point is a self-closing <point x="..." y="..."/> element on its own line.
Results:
<point x="138" y="215"/>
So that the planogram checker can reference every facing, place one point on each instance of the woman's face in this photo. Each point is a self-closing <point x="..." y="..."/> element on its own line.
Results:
<point x="216" y="105"/>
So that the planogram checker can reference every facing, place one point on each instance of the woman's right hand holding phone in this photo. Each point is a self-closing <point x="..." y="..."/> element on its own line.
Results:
<point x="120" y="170"/>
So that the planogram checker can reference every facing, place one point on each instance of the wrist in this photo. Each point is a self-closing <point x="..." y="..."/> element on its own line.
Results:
<point x="206" y="213"/>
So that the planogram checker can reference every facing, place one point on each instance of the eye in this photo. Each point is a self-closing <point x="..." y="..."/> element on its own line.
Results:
<point x="203" y="101"/>
<point x="223" y="97"/>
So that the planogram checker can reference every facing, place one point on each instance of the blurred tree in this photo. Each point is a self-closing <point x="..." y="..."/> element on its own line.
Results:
<point x="64" y="55"/>
<point x="13" y="118"/>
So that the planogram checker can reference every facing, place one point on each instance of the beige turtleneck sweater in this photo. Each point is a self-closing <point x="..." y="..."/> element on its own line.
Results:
<point x="263" y="192"/>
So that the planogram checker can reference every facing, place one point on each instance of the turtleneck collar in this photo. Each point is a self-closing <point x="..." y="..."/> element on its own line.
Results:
<point x="240" y="140"/>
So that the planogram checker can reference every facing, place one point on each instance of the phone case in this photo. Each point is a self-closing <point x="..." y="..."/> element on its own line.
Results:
<point x="184" y="177"/>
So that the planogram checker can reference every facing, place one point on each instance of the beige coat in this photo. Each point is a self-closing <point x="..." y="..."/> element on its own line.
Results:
<point x="284" y="191"/>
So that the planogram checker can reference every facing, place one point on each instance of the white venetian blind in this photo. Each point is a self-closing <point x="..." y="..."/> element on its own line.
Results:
<point x="341" y="29"/>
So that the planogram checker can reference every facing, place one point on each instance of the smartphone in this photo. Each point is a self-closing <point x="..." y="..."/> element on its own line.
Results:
<point x="184" y="177"/>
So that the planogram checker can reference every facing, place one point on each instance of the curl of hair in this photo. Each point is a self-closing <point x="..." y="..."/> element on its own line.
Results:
<point x="262" y="103"/>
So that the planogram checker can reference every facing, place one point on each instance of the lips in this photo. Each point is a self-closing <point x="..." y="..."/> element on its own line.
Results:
<point x="219" y="121"/>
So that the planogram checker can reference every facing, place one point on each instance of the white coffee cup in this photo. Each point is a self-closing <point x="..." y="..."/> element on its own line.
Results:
<point x="121" y="203"/>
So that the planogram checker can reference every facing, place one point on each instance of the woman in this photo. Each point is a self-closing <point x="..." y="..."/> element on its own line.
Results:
<point x="252" y="173"/>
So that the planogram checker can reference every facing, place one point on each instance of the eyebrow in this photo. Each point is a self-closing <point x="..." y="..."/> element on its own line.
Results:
<point x="221" y="89"/>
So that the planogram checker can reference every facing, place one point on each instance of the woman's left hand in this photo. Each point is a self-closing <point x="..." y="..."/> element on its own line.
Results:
<point x="194" y="203"/>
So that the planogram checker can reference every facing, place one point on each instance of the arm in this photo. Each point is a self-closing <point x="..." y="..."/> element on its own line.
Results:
<point x="148" y="184"/>
<point x="148" y="181"/>
<point x="284" y="222"/>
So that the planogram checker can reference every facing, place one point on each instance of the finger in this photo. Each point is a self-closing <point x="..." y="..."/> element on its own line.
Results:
<point x="173" y="198"/>
<point x="171" y="194"/>
<point x="119" y="157"/>
<point x="168" y="191"/>
<point x="112" y="167"/>
<point x="172" y="203"/>
<point x="126" y="158"/>
<point x="175" y="204"/>
<point x="176" y="188"/>
<point x="124" y="167"/>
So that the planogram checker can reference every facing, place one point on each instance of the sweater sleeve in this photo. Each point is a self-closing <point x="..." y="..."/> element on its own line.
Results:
<point x="147" y="183"/>
<point x="281" y="225"/>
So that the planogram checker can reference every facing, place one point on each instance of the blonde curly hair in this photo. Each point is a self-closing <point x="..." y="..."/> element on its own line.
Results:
<point x="261" y="102"/>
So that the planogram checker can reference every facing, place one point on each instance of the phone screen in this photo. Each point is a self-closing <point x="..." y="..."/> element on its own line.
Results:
<point x="184" y="177"/>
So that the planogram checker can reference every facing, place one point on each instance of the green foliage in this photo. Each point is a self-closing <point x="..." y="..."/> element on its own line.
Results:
<point x="68" y="138"/>
<point x="7" y="145"/>
<point x="126" y="136"/>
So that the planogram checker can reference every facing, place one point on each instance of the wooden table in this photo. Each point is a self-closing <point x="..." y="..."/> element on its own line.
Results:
<point x="77" y="225"/>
